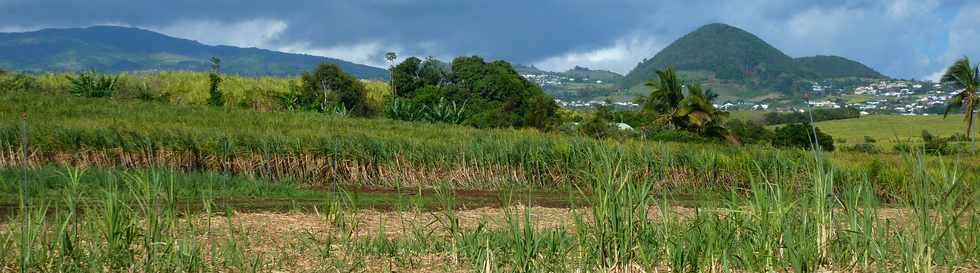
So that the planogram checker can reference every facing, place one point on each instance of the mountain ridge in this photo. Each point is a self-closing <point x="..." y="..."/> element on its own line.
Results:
<point x="126" y="49"/>
<point x="728" y="57"/>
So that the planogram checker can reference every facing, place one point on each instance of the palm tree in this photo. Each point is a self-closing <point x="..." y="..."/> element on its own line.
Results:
<point x="666" y="97"/>
<point x="694" y="112"/>
<point x="698" y="111"/>
<point x="965" y="77"/>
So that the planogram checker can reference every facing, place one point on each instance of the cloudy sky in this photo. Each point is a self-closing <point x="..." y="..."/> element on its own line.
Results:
<point x="901" y="38"/>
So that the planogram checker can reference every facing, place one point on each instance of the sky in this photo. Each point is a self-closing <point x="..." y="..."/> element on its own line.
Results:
<point x="900" y="38"/>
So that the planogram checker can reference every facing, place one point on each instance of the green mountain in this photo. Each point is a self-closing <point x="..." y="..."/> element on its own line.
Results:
<point x="123" y="49"/>
<point x="737" y="63"/>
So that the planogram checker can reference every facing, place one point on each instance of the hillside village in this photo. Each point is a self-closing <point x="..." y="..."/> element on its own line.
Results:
<point x="552" y="80"/>
<point x="871" y="97"/>
<point x="891" y="97"/>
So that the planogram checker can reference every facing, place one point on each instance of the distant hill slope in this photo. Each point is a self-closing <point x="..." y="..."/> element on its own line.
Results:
<point x="123" y="49"/>
<point x="836" y="67"/>
<point x="602" y="75"/>
<point x="726" y="57"/>
<point x="530" y="69"/>
<point x="578" y="72"/>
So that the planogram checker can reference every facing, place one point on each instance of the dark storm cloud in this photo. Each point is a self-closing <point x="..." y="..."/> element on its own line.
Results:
<point x="905" y="38"/>
<point x="520" y="30"/>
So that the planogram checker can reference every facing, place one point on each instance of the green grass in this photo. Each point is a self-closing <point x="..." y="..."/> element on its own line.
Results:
<point x="51" y="183"/>
<point x="191" y="88"/>
<point x="889" y="129"/>
<point x="756" y="116"/>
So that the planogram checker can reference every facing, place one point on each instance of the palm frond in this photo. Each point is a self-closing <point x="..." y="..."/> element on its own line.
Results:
<point x="961" y="74"/>
<point x="955" y="102"/>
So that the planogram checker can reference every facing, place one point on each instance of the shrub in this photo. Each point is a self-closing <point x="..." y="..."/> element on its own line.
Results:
<point x="958" y="137"/>
<point x="445" y="111"/>
<point x="801" y="135"/>
<point x="494" y="94"/>
<point x="92" y="85"/>
<point x="328" y="88"/>
<point x="598" y="127"/>
<point x="935" y="145"/>
<point x="402" y="109"/>
<point x="441" y="111"/>
<point x="749" y="132"/>
<point x="676" y="136"/>
<point x="214" y="79"/>
<point x="16" y="82"/>
<point x="774" y="118"/>
<point x="868" y="148"/>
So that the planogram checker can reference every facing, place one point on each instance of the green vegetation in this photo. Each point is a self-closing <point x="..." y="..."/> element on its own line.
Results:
<point x="802" y="135"/>
<point x="92" y="85"/>
<point x="329" y="89"/>
<point x="325" y="149"/>
<point x="756" y="116"/>
<point x="573" y="91"/>
<point x="968" y="78"/>
<point x="214" y="90"/>
<point x="471" y="92"/>
<point x="693" y="111"/>
<point x="581" y="73"/>
<point x="890" y="129"/>
<point x="817" y="115"/>
<point x="825" y="67"/>
<point x="739" y="64"/>
<point x="50" y="182"/>
<point x="139" y="226"/>
<point x="143" y="181"/>
<point x="120" y="49"/>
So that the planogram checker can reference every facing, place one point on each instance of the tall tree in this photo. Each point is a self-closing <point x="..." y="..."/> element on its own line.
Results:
<point x="391" y="57"/>
<point x="666" y="97"/>
<point x="698" y="111"/>
<point x="694" y="112"/>
<point x="966" y="77"/>
<point x="214" y="77"/>
<point x="328" y="87"/>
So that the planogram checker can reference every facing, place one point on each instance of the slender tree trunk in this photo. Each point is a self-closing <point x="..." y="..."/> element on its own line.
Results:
<point x="25" y="153"/>
<point x="391" y="80"/>
<point x="973" y="135"/>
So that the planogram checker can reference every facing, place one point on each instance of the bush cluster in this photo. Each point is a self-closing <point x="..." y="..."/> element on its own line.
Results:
<point x="774" y="118"/>
<point x="92" y="85"/>
<point x="749" y="132"/>
<point x="932" y="144"/>
<point x="16" y="82"/>
<point x="802" y="135"/>
<point x="329" y="89"/>
<point x="470" y="91"/>
<point x="867" y="147"/>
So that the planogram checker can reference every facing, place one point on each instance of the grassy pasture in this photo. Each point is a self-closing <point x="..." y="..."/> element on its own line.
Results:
<point x="890" y="129"/>
<point x="757" y="116"/>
